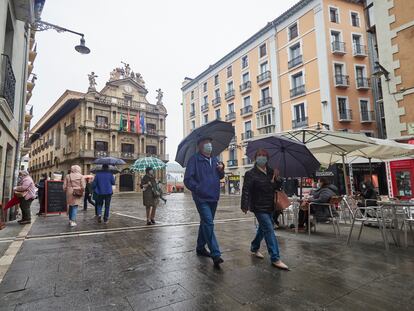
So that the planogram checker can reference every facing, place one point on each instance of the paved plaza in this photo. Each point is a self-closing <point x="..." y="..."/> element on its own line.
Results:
<point x="127" y="265"/>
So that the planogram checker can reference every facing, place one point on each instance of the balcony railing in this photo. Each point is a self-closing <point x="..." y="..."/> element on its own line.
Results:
<point x="264" y="102"/>
<point x="70" y="128"/>
<point x="100" y="125"/>
<point x="264" y="77"/>
<point x="267" y="129"/>
<point x="341" y="80"/>
<point x="100" y="154"/>
<point x="338" y="47"/>
<point x="233" y="141"/>
<point x="296" y="91"/>
<point x="247" y="161"/>
<point x="204" y="107"/>
<point x="246" y="110"/>
<point x="295" y="61"/>
<point x="302" y="122"/>
<point x="128" y="155"/>
<point x="232" y="163"/>
<point x="216" y="101"/>
<point x="245" y="87"/>
<point x="345" y="115"/>
<point x="367" y="116"/>
<point x="8" y="81"/>
<point x="359" y="50"/>
<point x="229" y="94"/>
<point x="247" y="135"/>
<point x="362" y="83"/>
<point x="152" y="132"/>
<point x="231" y="116"/>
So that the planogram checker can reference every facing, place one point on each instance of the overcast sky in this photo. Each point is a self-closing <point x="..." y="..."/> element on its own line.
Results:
<point x="163" y="40"/>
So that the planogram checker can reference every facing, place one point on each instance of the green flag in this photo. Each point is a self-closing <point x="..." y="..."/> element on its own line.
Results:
<point x="121" y="123"/>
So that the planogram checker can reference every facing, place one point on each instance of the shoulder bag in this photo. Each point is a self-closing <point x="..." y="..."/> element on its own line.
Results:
<point x="77" y="192"/>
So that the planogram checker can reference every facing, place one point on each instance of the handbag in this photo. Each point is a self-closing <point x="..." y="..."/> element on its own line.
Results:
<point x="281" y="200"/>
<point x="77" y="192"/>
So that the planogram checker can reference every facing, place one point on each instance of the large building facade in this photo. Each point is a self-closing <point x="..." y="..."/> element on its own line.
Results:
<point x="307" y="68"/>
<point x="118" y="121"/>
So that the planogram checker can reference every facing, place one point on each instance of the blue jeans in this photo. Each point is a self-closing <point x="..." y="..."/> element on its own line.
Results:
<point x="207" y="211"/>
<point x="73" y="211"/>
<point x="265" y="230"/>
<point x="102" y="199"/>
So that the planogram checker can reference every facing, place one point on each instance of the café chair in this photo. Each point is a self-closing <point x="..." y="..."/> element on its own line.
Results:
<point x="408" y="221"/>
<point x="334" y="216"/>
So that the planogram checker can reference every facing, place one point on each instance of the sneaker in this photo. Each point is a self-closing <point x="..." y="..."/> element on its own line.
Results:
<point x="203" y="252"/>
<point x="73" y="224"/>
<point x="217" y="262"/>
<point x="258" y="255"/>
<point x="149" y="223"/>
<point x="280" y="265"/>
<point x="25" y="222"/>
<point x="99" y="219"/>
<point x="106" y="221"/>
<point x="152" y="222"/>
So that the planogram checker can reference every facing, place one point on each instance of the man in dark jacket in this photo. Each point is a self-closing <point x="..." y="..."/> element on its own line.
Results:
<point x="202" y="178"/>
<point x="88" y="195"/>
<point x="41" y="186"/>
<point x="102" y="186"/>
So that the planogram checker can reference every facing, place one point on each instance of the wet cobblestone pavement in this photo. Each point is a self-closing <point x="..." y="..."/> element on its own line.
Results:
<point x="126" y="265"/>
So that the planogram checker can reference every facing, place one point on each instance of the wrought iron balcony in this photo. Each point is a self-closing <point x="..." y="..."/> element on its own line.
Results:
<point x="302" y="122"/>
<point x="192" y="114"/>
<point x="362" y="83"/>
<point x="231" y="116"/>
<point x="216" y="101"/>
<point x="247" y="161"/>
<point x="264" y="77"/>
<point x="264" y="102"/>
<point x="246" y="110"/>
<point x="204" y="107"/>
<point x="100" y="125"/>
<point x="8" y="81"/>
<point x="345" y="115"/>
<point x="247" y="135"/>
<point x="245" y="87"/>
<point x="152" y="132"/>
<point x="367" y="116"/>
<point x="229" y="94"/>
<point x="359" y="50"/>
<point x="128" y="155"/>
<point x="232" y="163"/>
<point x="70" y="128"/>
<point x="295" y="61"/>
<point x="338" y="47"/>
<point x="342" y="81"/>
<point x="100" y="154"/>
<point x="297" y="91"/>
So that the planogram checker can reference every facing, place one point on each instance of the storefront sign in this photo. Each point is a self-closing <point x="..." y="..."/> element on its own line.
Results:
<point x="324" y="174"/>
<point x="234" y="184"/>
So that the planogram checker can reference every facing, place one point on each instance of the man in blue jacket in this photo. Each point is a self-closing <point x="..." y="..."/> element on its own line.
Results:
<point x="102" y="186"/>
<point x="202" y="178"/>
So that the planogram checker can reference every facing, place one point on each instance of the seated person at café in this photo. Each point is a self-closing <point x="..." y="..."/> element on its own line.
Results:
<point x="368" y="194"/>
<point x="322" y="195"/>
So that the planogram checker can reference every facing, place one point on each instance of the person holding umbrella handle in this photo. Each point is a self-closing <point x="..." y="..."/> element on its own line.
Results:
<point x="258" y="193"/>
<point x="202" y="178"/>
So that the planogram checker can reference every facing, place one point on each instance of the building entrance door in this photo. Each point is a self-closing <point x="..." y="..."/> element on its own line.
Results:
<point x="126" y="181"/>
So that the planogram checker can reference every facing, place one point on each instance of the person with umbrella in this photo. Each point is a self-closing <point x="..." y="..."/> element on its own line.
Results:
<point x="102" y="186"/>
<point x="150" y="194"/>
<point x="258" y="193"/>
<point x="202" y="178"/>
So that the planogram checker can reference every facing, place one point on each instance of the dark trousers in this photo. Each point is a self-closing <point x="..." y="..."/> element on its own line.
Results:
<point x="41" y="203"/>
<point x="87" y="198"/>
<point x="25" y="207"/>
<point x="102" y="199"/>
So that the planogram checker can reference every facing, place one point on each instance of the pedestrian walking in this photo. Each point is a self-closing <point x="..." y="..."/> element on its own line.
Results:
<point x="202" y="178"/>
<point x="151" y="195"/>
<point x="41" y="186"/>
<point x="88" y="195"/>
<point x="102" y="187"/>
<point x="26" y="192"/>
<point x="74" y="186"/>
<point x="161" y="191"/>
<point x="258" y="196"/>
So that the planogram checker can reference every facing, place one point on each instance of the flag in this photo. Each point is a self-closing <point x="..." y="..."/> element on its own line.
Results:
<point x="128" y="123"/>
<point x="121" y="122"/>
<point x="142" y="123"/>
<point x="137" y="125"/>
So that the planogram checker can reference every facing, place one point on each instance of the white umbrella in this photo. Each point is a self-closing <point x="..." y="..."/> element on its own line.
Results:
<point x="328" y="144"/>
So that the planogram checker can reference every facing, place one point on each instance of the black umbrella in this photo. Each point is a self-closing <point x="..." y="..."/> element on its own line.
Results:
<point x="109" y="161"/>
<point x="112" y="168"/>
<point x="291" y="158"/>
<point x="221" y="132"/>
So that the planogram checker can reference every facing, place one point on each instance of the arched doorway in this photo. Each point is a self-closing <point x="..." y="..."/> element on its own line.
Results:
<point x="126" y="181"/>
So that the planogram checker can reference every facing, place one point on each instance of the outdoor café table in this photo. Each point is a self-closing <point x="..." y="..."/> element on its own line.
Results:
<point x="394" y="208"/>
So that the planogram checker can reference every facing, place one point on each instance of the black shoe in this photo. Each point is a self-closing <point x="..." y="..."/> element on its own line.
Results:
<point x="203" y="252"/>
<point x="149" y="223"/>
<point x="25" y="222"/>
<point x="99" y="219"/>
<point x="152" y="222"/>
<point x="217" y="261"/>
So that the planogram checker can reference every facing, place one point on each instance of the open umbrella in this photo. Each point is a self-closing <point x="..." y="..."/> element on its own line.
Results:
<point x="291" y="158"/>
<point x="112" y="168"/>
<point x="141" y="164"/>
<point x="109" y="161"/>
<point x="221" y="132"/>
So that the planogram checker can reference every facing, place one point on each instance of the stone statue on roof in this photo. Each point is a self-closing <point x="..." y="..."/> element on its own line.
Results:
<point x="127" y="70"/>
<point x="92" y="81"/>
<point x="160" y="95"/>
<point x="139" y="79"/>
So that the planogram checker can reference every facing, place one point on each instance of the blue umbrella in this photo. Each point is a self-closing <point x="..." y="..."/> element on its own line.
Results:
<point x="109" y="161"/>
<point x="221" y="132"/>
<point x="291" y="158"/>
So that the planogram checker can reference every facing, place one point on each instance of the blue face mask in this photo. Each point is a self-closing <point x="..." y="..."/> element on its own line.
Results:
<point x="207" y="148"/>
<point x="261" y="160"/>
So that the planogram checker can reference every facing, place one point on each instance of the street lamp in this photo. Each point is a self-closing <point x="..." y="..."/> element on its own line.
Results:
<point x="381" y="71"/>
<point x="39" y="25"/>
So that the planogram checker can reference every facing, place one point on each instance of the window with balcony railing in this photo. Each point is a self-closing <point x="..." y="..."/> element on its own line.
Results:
<point x="300" y="122"/>
<point x="338" y="47"/>
<point x="359" y="49"/>
<point x="265" y="76"/>
<point x="345" y="115"/>
<point x="267" y="101"/>
<point x="295" y="61"/>
<point x="232" y="163"/>
<point x="367" y="116"/>
<point x="8" y="81"/>
<point x="216" y="101"/>
<point x="341" y="80"/>
<point x="362" y="82"/>
<point x="246" y="110"/>
<point x="247" y="135"/>
<point x="231" y="116"/>
<point x="229" y="94"/>
<point x="298" y="90"/>
<point x="245" y="86"/>
<point x="247" y="161"/>
<point x="204" y="107"/>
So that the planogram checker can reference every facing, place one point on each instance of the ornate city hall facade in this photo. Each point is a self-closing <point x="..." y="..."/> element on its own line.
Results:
<point x="117" y="121"/>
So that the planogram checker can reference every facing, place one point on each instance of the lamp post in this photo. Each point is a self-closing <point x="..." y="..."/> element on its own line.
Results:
<point x="40" y="25"/>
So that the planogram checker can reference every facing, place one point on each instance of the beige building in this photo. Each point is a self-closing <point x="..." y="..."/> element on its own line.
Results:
<point x="117" y="121"/>
<point x="307" y="68"/>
